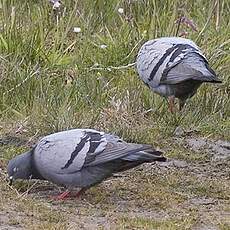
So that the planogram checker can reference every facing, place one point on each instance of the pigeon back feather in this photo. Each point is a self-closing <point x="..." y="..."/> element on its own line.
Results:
<point x="65" y="152"/>
<point x="159" y="55"/>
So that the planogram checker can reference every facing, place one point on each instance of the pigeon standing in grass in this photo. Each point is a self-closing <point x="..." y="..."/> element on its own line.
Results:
<point x="174" y="68"/>
<point x="79" y="158"/>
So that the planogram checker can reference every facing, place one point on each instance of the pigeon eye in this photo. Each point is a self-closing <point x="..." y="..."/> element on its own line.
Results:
<point x="15" y="169"/>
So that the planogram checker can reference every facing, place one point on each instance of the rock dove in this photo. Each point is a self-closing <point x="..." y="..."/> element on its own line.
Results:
<point x="79" y="158"/>
<point x="174" y="68"/>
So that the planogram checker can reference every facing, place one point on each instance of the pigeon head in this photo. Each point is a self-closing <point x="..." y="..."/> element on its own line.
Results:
<point x="20" y="167"/>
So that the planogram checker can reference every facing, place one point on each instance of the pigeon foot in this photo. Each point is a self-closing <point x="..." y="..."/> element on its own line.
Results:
<point x="62" y="196"/>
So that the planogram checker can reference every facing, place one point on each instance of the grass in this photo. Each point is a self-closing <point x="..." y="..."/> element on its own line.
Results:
<point x="145" y="223"/>
<point x="53" y="79"/>
<point x="62" y="79"/>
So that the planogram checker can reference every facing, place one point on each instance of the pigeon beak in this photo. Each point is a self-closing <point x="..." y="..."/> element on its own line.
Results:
<point x="10" y="180"/>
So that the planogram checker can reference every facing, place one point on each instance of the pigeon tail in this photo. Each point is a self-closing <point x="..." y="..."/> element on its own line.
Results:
<point x="211" y="77"/>
<point x="136" y="158"/>
<point x="148" y="155"/>
<point x="202" y="71"/>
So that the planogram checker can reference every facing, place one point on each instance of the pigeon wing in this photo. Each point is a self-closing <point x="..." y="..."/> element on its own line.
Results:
<point x="65" y="152"/>
<point x="115" y="149"/>
<point x="70" y="151"/>
<point x="191" y="66"/>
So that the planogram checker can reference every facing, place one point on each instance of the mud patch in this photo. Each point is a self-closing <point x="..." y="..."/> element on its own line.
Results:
<point x="219" y="150"/>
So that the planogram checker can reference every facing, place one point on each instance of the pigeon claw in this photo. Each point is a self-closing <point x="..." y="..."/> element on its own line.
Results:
<point x="62" y="196"/>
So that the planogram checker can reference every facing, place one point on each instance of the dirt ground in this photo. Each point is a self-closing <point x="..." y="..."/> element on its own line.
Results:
<point x="189" y="192"/>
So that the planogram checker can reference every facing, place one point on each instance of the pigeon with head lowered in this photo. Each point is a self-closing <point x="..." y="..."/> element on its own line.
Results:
<point x="174" y="68"/>
<point x="79" y="158"/>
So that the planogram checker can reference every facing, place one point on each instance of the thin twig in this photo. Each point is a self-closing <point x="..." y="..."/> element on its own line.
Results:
<point x="132" y="50"/>
<point x="5" y="176"/>
<point x="109" y="68"/>
<point x="28" y="190"/>
<point x="178" y="26"/>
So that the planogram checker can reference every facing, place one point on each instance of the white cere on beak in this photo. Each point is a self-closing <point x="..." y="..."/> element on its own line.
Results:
<point x="10" y="180"/>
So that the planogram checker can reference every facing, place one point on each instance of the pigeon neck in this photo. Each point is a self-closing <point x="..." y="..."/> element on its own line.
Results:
<point x="34" y="172"/>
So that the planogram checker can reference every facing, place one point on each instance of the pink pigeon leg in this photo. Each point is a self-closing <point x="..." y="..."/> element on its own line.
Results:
<point x="171" y="104"/>
<point x="79" y="193"/>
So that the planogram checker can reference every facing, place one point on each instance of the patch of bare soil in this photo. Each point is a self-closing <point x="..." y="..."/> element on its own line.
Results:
<point x="219" y="150"/>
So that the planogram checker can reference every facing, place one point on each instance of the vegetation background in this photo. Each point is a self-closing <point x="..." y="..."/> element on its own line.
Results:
<point x="71" y="66"/>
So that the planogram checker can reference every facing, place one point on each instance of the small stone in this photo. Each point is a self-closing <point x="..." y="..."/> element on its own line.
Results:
<point x="203" y="201"/>
<point x="180" y="164"/>
<point x="173" y="163"/>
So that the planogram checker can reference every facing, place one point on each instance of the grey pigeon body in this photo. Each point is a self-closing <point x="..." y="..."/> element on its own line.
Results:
<point x="80" y="158"/>
<point x="174" y="67"/>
